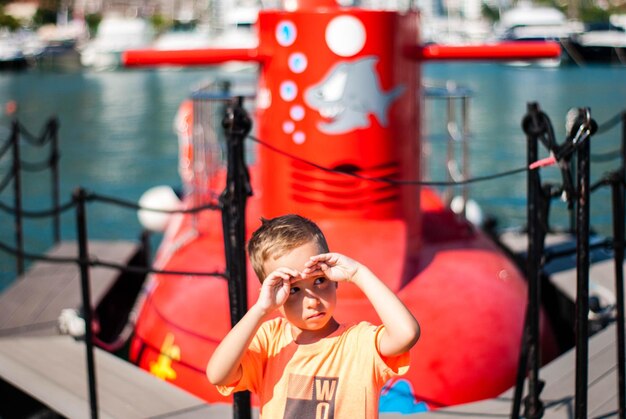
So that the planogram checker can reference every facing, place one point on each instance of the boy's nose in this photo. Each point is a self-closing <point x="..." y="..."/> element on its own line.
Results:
<point x="311" y="299"/>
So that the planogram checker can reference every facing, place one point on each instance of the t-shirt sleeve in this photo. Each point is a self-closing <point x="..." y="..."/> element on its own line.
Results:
<point x="251" y="365"/>
<point x="390" y="366"/>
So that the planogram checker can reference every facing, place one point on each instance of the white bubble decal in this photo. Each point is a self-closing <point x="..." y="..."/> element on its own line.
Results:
<point x="296" y="113"/>
<point x="299" y="137"/>
<point x="288" y="127"/>
<point x="298" y="62"/>
<point x="288" y="90"/>
<point x="286" y="33"/>
<point x="264" y="98"/>
<point x="345" y="35"/>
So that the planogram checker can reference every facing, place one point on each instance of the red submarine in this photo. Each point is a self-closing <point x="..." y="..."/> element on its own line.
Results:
<point x="341" y="87"/>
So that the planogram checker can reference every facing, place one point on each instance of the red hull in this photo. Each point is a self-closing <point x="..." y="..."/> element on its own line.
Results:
<point x="468" y="296"/>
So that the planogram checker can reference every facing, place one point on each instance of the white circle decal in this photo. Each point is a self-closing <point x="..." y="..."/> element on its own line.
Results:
<point x="288" y="127"/>
<point x="299" y="137"/>
<point x="286" y="33"/>
<point x="345" y="35"/>
<point x="296" y="113"/>
<point x="297" y="62"/>
<point x="264" y="98"/>
<point x="288" y="90"/>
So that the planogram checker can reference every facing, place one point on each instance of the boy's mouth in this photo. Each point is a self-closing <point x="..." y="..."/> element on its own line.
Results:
<point x="316" y="316"/>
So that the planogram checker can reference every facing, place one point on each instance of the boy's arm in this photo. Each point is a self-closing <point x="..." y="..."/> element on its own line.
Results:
<point x="224" y="367"/>
<point x="401" y="329"/>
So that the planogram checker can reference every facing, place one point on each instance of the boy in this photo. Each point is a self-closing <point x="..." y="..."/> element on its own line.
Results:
<point x="306" y="364"/>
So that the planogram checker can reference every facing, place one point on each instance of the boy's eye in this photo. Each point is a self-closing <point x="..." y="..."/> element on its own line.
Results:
<point x="293" y="290"/>
<point x="320" y="281"/>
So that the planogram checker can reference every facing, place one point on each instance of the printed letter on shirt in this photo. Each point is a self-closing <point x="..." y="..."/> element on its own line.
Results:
<point x="311" y="397"/>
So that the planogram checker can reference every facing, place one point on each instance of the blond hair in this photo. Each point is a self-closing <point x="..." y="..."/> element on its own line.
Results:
<point x="277" y="236"/>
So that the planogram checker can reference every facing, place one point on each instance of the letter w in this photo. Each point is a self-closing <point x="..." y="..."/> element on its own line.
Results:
<point x="325" y="389"/>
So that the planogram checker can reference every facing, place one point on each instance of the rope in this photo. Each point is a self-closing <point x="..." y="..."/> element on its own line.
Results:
<point x="5" y="182"/>
<point x="39" y="166"/>
<point x="5" y="147"/>
<point x="41" y="213"/>
<point x="604" y="157"/>
<point x="94" y="262"/>
<point x="133" y="205"/>
<point x="43" y="138"/>
<point x="607" y="125"/>
<point x="389" y="180"/>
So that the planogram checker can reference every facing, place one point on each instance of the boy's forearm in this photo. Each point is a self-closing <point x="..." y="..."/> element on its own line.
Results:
<point x="223" y="367"/>
<point x="401" y="327"/>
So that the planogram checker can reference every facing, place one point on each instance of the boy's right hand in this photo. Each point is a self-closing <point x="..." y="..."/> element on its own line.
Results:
<point x="276" y="288"/>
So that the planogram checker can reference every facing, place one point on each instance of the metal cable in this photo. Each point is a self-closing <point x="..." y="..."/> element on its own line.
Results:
<point x="94" y="262"/>
<point x="32" y="139"/>
<point x="607" y="125"/>
<point x="7" y="179"/>
<point x="389" y="180"/>
<point x="40" y="213"/>
<point x="133" y="205"/>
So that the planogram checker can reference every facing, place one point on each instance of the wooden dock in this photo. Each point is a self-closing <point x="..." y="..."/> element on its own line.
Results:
<point x="51" y="368"/>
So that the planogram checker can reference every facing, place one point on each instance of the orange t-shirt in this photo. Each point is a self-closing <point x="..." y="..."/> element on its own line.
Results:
<point x="337" y="377"/>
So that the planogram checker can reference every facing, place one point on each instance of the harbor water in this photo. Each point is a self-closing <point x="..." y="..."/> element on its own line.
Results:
<point x="117" y="138"/>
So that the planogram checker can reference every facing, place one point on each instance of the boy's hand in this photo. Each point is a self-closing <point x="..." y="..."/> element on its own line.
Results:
<point x="275" y="289"/>
<point x="334" y="266"/>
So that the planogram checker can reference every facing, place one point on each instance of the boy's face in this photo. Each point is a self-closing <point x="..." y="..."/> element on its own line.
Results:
<point x="312" y="300"/>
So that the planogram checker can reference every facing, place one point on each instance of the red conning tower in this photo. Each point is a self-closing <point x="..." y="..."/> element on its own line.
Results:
<point x="340" y="87"/>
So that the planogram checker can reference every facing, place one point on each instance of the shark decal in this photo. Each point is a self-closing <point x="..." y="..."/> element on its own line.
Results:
<point x="347" y="96"/>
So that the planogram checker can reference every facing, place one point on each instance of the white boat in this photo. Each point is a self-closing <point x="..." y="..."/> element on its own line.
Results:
<point x="11" y="56"/>
<point x="526" y="22"/>
<point x="601" y="43"/>
<point x="18" y="49"/>
<point x="114" y="36"/>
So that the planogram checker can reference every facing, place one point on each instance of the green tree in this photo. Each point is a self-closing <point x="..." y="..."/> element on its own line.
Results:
<point x="9" y="22"/>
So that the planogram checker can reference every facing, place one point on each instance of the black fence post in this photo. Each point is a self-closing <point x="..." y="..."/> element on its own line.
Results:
<point x="529" y="360"/>
<point x="237" y="125"/>
<point x="534" y="407"/>
<point x="582" y="278"/>
<point x="53" y="126"/>
<point x="17" y="197"/>
<point x="618" y="184"/>
<point x="617" y="188"/>
<point x="83" y="256"/>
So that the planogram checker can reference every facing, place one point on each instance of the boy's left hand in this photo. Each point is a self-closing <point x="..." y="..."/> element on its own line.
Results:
<point x="334" y="266"/>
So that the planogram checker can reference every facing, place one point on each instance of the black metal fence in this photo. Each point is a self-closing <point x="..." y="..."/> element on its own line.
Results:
<point x="572" y="156"/>
<point x="574" y="159"/>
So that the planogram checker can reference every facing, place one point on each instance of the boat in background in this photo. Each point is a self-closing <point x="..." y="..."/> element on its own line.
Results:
<point x="19" y="49"/>
<point x="527" y="22"/>
<point x="114" y="36"/>
<point x="62" y="43"/>
<point x="600" y="43"/>
<point x="11" y="55"/>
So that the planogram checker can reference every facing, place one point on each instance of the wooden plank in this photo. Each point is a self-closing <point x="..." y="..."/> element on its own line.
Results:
<point x="602" y="394"/>
<point x="32" y="304"/>
<point x="52" y="370"/>
<point x="601" y="281"/>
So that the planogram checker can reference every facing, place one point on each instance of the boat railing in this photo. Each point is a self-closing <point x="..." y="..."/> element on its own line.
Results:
<point x="457" y="131"/>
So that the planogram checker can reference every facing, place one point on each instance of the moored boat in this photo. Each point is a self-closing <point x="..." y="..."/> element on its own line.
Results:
<point x="601" y="43"/>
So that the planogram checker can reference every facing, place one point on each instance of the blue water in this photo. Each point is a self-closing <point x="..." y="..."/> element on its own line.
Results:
<point x="117" y="138"/>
